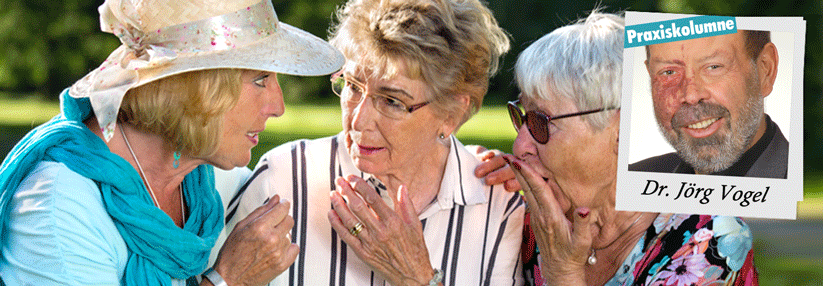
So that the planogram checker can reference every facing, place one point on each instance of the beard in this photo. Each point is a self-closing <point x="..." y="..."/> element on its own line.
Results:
<point x="722" y="149"/>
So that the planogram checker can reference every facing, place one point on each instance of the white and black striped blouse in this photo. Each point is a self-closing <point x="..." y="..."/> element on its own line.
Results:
<point x="473" y="231"/>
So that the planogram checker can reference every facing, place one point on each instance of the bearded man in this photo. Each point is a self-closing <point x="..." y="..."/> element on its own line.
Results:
<point x="708" y="101"/>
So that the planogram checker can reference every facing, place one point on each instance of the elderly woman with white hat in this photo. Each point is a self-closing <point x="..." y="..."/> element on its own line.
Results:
<point x="119" y="188"/>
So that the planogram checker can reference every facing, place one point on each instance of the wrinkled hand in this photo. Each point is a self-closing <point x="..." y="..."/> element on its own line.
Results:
<point x="391" y="241"/>
<point x="564" y="245"/>
<point x="493" y="168"/>
<point x="259" y="248"/>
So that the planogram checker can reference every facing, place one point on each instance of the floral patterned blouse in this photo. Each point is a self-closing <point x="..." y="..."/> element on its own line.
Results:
<point x="687" y="250"/>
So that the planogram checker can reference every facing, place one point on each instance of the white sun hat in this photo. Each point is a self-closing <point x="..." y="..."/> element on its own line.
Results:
<point x="167" y="37"/>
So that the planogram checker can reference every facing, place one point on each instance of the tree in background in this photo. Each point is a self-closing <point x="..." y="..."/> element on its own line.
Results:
<point x="47" y="45"/>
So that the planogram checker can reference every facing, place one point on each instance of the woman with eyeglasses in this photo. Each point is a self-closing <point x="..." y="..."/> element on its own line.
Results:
<point x="565" y="157"/>
<point x="393" y="198"/>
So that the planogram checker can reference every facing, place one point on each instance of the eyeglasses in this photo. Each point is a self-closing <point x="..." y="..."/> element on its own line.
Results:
<point x="538" y="122"/>
<point x="352" y="92"/>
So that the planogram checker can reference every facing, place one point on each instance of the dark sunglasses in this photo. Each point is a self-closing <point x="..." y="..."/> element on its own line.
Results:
<point x="538" y="122"/>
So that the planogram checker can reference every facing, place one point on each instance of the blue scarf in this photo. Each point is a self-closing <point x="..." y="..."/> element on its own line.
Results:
<point x="158" y="250"/>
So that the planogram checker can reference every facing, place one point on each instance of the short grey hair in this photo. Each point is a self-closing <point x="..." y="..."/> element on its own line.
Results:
<point x="581" y="61"/>
<point x="453" y="45"/>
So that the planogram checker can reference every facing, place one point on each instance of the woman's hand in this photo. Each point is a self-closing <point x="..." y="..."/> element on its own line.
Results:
<point x="259" y="248"/>
<point x="493" y="168"/>
<point x="390" y="240"/>
<point x="564" y="245"/>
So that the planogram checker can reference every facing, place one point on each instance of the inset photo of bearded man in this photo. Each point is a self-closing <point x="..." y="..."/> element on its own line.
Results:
<point x="708" y="98"/>
<point x="712" y="115"/>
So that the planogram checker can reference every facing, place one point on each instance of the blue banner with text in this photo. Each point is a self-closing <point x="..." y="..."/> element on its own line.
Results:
<point x="678" y="30"/>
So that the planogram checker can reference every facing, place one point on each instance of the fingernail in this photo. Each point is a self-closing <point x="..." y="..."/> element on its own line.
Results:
<point x="516" y="165"/>
<point x="583" y="213"/>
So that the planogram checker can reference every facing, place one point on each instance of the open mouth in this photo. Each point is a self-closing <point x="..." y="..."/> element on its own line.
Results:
<point x="702" y="124"/>
<point x="704" y="128"/>
<point x="253" y="137"/>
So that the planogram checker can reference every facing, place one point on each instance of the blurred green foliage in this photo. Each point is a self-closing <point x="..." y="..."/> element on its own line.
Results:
<point x="46" y="45"/>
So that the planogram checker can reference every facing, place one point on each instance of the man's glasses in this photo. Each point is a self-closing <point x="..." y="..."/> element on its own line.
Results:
<point x="538" y="122"/>
<point x="352" y="92"/>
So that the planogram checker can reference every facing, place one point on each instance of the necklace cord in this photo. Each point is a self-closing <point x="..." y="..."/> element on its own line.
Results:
<point x="146" y="179"/>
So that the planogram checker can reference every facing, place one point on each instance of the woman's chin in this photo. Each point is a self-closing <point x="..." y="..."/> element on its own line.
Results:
<point x="227" y="166"/>
<point x="230" y="163"/>
<point x="367" y="166"/>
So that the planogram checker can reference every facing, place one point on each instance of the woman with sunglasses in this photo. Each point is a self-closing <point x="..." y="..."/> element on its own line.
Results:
<point x="393" y="197"/>
<point x="566" y="161"/>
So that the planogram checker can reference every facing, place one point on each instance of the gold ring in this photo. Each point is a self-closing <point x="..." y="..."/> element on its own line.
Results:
<point x="355" y="230"/>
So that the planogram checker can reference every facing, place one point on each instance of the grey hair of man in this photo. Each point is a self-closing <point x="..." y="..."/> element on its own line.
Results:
<point x="581" y="62"/>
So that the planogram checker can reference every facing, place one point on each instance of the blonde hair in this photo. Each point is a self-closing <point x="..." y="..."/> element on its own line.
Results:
<point x="453" y="45"/>
<point x="186" y="109"/>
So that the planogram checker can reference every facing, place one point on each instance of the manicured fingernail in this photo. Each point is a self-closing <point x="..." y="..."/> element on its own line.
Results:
<point x="583" y="213"/>
<point x="516" y="165"/>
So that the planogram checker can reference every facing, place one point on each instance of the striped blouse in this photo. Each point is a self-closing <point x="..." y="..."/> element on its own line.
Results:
<point x="472" y="231"/>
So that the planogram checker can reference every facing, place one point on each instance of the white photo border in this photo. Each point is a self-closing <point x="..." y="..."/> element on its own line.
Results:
<point x="783" y="194"/>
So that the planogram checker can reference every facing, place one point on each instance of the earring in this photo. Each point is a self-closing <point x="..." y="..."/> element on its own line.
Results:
<point x="442" y="136"/>
<point x="176" y="162"/>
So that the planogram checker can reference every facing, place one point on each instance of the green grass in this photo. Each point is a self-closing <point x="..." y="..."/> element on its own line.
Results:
<point x="491" y="123"/>
<point x="789" y="271"/>
<point x="26" y="112"/>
